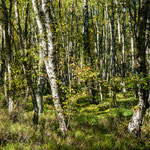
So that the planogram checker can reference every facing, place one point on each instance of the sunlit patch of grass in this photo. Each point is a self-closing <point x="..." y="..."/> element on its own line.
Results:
<point x="91" y="129"/>
<point x="121" y="112"/>
<point x="91" y="109"/>
<point x="17" y="127"/>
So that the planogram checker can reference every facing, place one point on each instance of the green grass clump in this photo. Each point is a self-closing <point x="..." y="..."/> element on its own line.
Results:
<point x="91" y="128"/>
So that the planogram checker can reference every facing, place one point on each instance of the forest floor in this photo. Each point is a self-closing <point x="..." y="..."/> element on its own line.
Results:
<point x="92" y="127"/>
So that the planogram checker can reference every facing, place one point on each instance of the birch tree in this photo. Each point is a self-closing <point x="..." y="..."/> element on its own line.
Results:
<point x="48" y="53"/>
<point x="136" y="121"/>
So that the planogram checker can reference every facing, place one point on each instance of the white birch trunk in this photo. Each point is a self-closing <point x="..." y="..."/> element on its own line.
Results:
<point x="137" y="119"/>
<point x="49" y="61"/>
<point x="136" y="122"/>
<point x="36" y="97"/>
<point x="10" y="100"/>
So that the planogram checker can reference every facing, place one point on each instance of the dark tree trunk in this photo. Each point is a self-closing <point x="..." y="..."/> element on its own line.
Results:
<point x="137" y="120"/>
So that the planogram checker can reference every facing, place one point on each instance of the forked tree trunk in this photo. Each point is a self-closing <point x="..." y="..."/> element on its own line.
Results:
<point x="23" y="46"/>
<point x="48" y="51"/>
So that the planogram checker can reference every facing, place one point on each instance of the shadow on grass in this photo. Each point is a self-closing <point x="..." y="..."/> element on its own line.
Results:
<point x="83" y="101"/>
<point x="109" y="132"/>
<point x="91" y="129"/>
<point x="88" y="132"/>
<point x="127" y="103"/>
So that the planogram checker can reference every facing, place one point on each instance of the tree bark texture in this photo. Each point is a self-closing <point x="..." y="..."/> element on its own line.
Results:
<point x="137" y="120"/>
<point x="48" y="53"/>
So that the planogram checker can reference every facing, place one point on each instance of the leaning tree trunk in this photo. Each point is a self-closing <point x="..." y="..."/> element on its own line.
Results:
<point x="23" y="46"/>
<point x="48" y="52"/>
<point x="137" y="120"/>
<point x="40" y="79"/>
<point x="50" y="68"/>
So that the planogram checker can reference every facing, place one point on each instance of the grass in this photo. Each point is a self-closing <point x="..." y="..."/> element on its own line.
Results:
<point x="91" y="129"/>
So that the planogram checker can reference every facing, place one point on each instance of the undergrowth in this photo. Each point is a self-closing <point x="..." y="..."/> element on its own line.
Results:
<point x="93" y="127"/>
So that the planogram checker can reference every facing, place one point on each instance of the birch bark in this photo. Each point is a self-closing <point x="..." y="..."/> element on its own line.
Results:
<point x="36" y="95"/>
<point x="48" y="52"/>
<point x="136" y="121"/>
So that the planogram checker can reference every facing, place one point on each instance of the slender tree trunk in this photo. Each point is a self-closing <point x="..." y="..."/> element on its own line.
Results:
<point x="148" y="48"/>
<point x="113" y="48"/>
<point x="23" y="46"/>
<point x="40" y="86"/>
<point x="5" y="86"/>
<point x="4" y="69"/>
<point x="8" y="51"/>
<point x="136" y="121"/>
<point x="9" y="55"/>
<point x="133" y="58"/>
<point x="113" y="51"/>
<point x="86" y="32"/>
<point x="119" y="28"/>
<point x="123" y="47"/>
<point x="1" y="49"/>
<point x="48" y="51"/>
<point x="87" y="51"/>
<point x="113" y="40"/>
<point x="40" y="79"/>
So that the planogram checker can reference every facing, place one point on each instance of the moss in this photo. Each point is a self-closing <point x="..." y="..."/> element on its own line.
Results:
<point x="90" y="129"/>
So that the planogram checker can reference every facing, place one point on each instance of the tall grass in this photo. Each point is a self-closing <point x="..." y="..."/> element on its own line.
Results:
<point x="91" y="129"/>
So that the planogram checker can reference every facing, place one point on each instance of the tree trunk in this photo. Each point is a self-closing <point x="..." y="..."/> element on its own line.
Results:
<point x="113" y="47"/>
<point x="123" y="47"/>
<point x="23" y="47"/>
<point x="8" y="51"/>
<point x="48" y="51"/>
<point x="137" y="120"/>
<point x="40" y="87"/>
